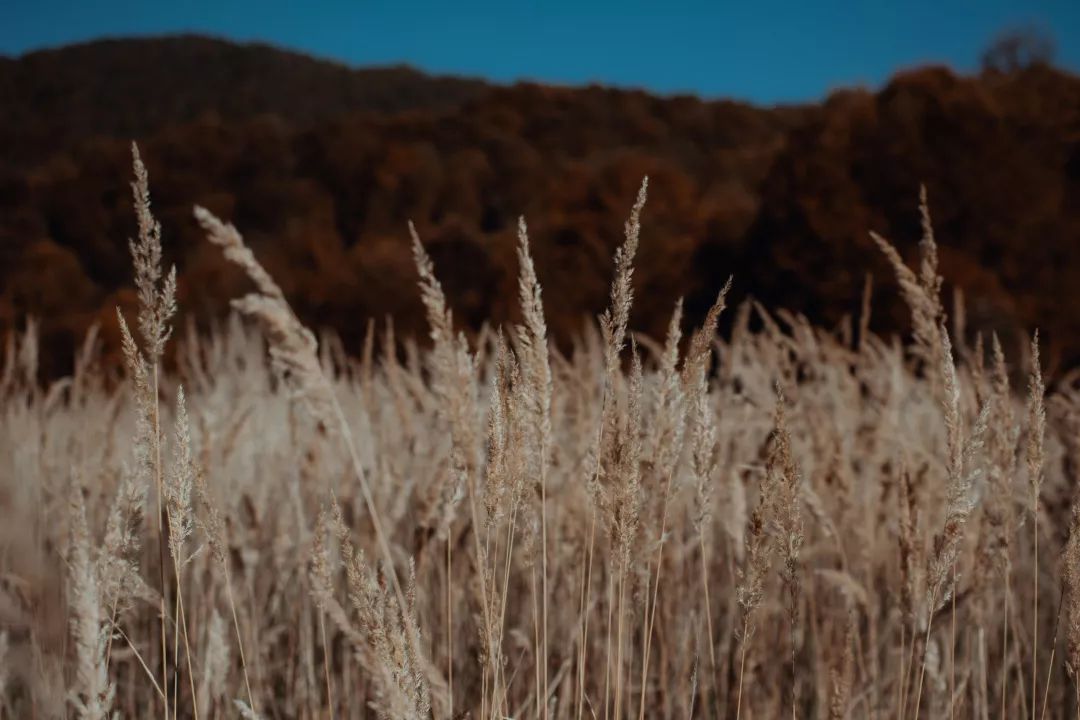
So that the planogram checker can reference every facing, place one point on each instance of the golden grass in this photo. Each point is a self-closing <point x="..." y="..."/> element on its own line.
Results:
<point x="790" y="522"/>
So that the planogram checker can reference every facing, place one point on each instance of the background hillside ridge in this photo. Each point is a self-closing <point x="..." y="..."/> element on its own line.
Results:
<point x="320" y="165"/>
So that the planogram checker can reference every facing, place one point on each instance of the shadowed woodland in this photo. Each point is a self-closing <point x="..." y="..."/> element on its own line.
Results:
<point x="322" y="166"/>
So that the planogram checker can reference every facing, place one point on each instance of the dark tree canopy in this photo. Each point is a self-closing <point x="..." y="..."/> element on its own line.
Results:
<point x="322" y="185"/>
<point x="1018" y="48"/>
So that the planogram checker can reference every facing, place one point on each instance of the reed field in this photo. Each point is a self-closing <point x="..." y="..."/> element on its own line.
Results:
<point x="780" y="521"/>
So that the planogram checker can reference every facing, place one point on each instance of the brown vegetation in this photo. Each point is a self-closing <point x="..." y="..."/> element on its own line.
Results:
<point x="322" y="166"/>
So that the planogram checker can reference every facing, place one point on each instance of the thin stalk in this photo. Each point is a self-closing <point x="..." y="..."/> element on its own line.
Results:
<point x="1053" y="651"/>
<point x="149" y="674"/>
<point x="902" y="685"/>
<point x="910" y="665"/>
<point x="544" y="567"/>
<point x="187" y="647"/>
<point x="176" y="651"/>
<point x="499" y="681"/>
<point x="922" y="669"/>
<point x="326" y="668"/>
<point x="605" y="389"/>
<point x="161" y="544"/>
<point x="607" y="648"/>
<point x="449" y="625"/>
<point x="240" y="643"/>
<point x="488" y="622"/>
<point x="651" y="610"/>
<point x="985" y="690"/>
<point x="794" y="677"/>
<point x="649" y="589"/>
<point x="112" y="622"/>
<point x="1005" y="644"/>
<point x="742" y="670"/>
<point x="619" y="645"/>
<point x="1035" y="601"/>
<point x="1018" y="663"/>
<point x="580" y="669"/>
<point x="586" y="586"/>
<point x="369" y="499"/>
<point x="952" y="651"/>
<point x="708" y="609"/>
<point x="538" y="690"/>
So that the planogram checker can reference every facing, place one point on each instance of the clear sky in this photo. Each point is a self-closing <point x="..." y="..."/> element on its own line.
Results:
<point x="759" y="50"/>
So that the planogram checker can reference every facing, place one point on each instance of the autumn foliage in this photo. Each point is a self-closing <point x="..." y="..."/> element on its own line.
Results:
<point x="321" y="165"/>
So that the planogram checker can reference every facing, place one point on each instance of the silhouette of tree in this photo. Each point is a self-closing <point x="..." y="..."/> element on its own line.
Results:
<point x="1018" y="48"/>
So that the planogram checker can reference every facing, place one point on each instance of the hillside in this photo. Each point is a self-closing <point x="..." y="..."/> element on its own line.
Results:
<point x="321" y="166"/>
<point x="130" y="88"/>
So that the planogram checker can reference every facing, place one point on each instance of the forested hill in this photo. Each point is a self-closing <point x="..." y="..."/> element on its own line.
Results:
<point x="321" y="165"/>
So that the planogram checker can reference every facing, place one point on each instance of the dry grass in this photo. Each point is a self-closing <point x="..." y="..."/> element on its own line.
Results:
<point x="785" y="523"/>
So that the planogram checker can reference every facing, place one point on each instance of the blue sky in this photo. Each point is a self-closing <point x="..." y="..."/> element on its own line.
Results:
<point x="761" y="50"/>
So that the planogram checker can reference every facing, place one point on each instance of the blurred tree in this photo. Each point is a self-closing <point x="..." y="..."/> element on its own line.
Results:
<point x="1018" y="48"/>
